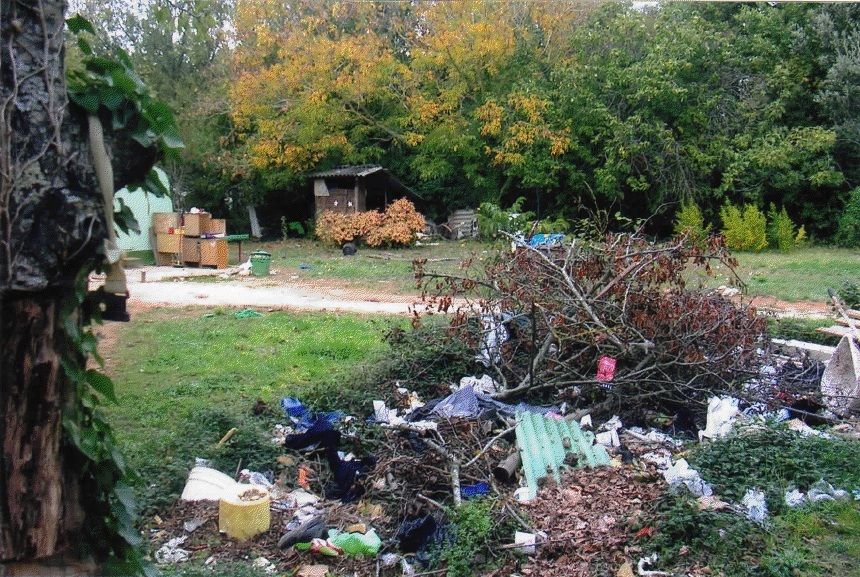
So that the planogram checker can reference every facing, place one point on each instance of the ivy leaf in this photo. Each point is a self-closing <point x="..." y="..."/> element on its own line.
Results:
<point x="124" y="218"/>
<point x="123" y="58"/>
<point x="111" y="98"/>
<point x="126" y="81"/>
<point x="78" y="23"/>
<point x="172" y="140"/>
<point x="102" y="384"/>
<point x="144" y="137"/>
<point x="154" y="184"/>
<point x="121" y="116"/>
<point x="85" y="46"/>
<point x="125" y="495"/>
<point x="87" y="100"/>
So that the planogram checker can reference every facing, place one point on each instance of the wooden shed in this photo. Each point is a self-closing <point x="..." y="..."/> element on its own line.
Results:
<point x="350" y="189"/>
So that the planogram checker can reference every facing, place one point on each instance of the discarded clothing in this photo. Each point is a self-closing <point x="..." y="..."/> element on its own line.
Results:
<point x="303" y="417"/>
<point x="320" y="433"/>
<point x="420" y="535"/>
<point x="485" y="385"/>
<point x="310" y="530"/>
<point x="345" y="473"/>
<point x="389" y="417"/>
<point x="346" y="476"/>
<point x="466" y="403"/>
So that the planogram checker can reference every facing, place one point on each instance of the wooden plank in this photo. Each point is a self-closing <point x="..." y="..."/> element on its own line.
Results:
<point x="814" y="350"/>
<point x="835" y="331"/>
<point x="853" y="314"/>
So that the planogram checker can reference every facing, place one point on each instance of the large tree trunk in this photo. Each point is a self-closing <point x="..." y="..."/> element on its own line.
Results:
<point x="51" y="225"/>
<point x="39" y="495"/>
<point x="52" y="228"/>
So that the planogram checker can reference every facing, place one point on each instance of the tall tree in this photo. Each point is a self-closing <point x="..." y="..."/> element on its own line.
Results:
<point x="55" y="485"/>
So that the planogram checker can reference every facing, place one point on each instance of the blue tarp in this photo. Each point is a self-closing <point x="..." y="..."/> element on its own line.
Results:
<point x="552" y="239"/>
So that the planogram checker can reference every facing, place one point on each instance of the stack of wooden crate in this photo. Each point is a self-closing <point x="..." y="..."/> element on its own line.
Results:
<point x="190" y="242"/>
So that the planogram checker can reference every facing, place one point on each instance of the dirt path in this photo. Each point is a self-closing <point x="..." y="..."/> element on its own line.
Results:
<point x="172" y="287"/>
<point x="799" y="309"/>
<point x="177" y="287"/>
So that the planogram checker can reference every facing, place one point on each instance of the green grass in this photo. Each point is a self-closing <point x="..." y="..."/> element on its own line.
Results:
<point x="814" y="541"/>
<point x="145" y="257"/>
<point x="184" y="380"/>
<point x="802" y="329"/>
<point x="390" y="269"/>
<point x="802" y="274"/>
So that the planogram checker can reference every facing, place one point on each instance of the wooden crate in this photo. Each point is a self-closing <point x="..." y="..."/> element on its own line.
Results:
<point x="167" y="242"/>
<point x="191" y="250"/>
<point x="162" y="222"/>
<point x="195" y="224"/>
<point x="216" y="226"/>
<point x="165" y="258"/>
<point x="213" y="253"/>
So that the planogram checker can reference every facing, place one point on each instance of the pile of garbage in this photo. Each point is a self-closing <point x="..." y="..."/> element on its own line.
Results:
<point x="372" y="494"/>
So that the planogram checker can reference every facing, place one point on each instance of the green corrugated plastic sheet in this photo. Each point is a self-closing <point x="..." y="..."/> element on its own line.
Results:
<point x="541" y="444"/>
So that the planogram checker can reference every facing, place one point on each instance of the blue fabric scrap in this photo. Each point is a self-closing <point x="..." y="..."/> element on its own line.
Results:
<point x="551" y="239"/>
<point x="476" y="490"/>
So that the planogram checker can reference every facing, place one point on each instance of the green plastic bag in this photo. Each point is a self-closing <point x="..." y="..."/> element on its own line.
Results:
<point x="367" y="544"/>
<point x="247" y="314"/>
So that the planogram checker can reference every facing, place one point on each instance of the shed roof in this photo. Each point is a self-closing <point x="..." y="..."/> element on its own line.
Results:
<point x="359" y="170"/>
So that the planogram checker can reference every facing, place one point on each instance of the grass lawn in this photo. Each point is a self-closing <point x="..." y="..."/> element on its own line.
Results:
<point x="803" y="274"/>
<point x="184" y="380"/>
<point x="816" y="541"/>
<point x="389" y="270"/>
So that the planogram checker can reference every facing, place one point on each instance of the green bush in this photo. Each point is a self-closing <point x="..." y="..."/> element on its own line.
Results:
<point x="850" y="294"/>
<point x="690" y="221"/>
<point x="473" y="524"/>
<point x="801" y="329"/>
<point x="781" y="232"/>
<point x="425" y="359"/>
<point x="772" y="459"/>
<point x="744" y="230"/>
<point x="551" y="225"/>
<point x="848" y="229"/>
<point x="292" y="228"/>
<point x="494" y="220"/>
<point x="723" y="540"/>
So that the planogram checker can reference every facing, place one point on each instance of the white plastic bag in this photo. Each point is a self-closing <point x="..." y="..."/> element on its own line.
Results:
<point x="722" y="412"/>
<point x="681" y="474"/>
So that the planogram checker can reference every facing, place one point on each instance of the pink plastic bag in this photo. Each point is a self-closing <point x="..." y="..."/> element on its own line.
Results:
<point x="605" y="369"/>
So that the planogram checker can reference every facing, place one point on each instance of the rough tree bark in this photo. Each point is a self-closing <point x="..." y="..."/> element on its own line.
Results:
<point x="52" y="227"/>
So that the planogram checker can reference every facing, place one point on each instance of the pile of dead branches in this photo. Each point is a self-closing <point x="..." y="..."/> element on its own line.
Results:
<point x="622" y="304"/>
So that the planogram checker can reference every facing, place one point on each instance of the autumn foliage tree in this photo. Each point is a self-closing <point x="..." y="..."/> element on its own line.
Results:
<point x="571" y="103"/>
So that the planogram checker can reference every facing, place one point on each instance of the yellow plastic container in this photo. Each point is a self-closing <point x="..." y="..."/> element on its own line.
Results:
<point x="245" y="514"/>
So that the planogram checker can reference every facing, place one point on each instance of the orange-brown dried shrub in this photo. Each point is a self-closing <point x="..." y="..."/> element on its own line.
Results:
<point x="399" y="224"/>
<point x="335" y="228"/>
<point x="397" y="227"/>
